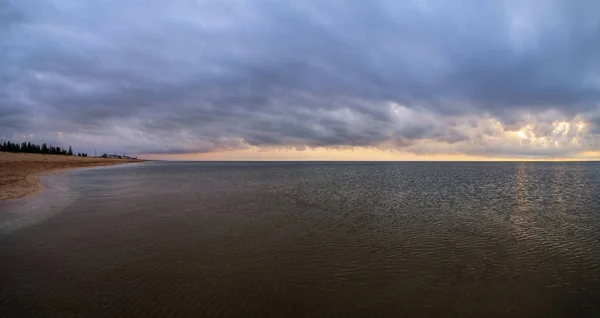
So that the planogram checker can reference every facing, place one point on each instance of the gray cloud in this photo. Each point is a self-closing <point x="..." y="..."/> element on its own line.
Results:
<point x="196" y="76"/>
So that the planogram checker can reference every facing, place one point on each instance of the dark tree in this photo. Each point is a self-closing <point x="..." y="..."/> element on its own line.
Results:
<point x="29" y="147"/>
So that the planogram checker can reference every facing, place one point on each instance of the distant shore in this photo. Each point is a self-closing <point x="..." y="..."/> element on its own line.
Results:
<point x="20" y="172"/>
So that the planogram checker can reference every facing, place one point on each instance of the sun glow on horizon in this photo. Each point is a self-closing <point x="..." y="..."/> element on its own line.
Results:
<point x="349" y="154"/>
<point x="531" y="142"/>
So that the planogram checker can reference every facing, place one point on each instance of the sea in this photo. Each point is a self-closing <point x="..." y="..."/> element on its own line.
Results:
<point x="306" y="239"/>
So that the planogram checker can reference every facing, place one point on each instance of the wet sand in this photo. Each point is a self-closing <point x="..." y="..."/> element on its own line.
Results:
<point x="20" y="172"/>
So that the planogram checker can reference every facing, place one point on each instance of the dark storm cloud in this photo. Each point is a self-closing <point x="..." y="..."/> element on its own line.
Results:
<point x="193" y="75"/>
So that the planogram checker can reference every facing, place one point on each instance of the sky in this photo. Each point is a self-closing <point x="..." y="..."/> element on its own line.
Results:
<point x="304" y="80"/>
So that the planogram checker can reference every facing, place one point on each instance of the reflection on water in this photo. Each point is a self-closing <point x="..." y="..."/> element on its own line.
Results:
<point x="558" y="185"/>
<point x="309" y="239"/>
<point x="522" y="217"/>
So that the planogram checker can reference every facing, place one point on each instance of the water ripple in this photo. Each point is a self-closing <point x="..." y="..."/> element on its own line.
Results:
<point x="314" y="239"/>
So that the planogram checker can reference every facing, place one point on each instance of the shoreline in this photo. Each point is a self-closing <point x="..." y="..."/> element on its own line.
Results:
<point x="20" y="172"/>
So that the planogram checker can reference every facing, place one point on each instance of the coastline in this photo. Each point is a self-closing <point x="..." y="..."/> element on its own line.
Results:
<point x="20" y="172"/>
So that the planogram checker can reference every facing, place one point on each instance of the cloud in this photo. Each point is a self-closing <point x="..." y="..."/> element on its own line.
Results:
<point x="186" y="76"/>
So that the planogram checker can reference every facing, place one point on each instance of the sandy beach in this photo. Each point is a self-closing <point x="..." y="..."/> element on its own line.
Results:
<point x="20" y="172"/>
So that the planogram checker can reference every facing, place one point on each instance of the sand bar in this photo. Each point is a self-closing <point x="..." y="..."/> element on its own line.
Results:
<point x="20" y="172"/>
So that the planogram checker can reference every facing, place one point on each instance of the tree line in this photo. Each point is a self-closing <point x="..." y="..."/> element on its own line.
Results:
<point x="28" y="147"/>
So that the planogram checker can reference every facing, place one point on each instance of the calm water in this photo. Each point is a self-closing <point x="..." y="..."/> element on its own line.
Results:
<point x="306" y="239"/>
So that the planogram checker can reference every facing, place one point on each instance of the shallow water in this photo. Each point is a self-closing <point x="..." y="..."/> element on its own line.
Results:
<point x="306" y="239"/>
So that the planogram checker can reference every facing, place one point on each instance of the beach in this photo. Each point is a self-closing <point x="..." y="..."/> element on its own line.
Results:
<point x="20" y="172"/>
